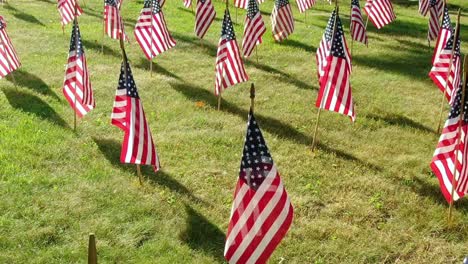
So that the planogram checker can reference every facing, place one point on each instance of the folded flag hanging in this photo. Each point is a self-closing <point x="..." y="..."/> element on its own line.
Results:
<point x="444" y="34"/>
<point x="303" y="5"/>
<point x="205" y="14"/>
<point x="9" y="60"/>
<point x="66" y="9"/>
<point x="282" y="20"/>
<point x="114" y="26"/>
<point x="253" y="30"/>
<point x="358" y="29"/>
<point x="380" y="12"/>
<point x="434" y="24"/>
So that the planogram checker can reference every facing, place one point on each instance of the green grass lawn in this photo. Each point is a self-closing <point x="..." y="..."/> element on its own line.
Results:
<point x="367" y="195"/>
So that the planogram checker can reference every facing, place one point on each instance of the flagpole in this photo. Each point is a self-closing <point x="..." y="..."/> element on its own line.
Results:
<point x="252" y="97"/>
<point x="92" y="252"/>
<point x="460" y="122"/>
<point x="457" y="28"/>
<point x="76" y="77"/>
<point x="320" y="109"/>
<point x="351" y="29"/>
<point x="103" y="27"/>
<point x="219" y="95"/>
<point x="151" y="46"/>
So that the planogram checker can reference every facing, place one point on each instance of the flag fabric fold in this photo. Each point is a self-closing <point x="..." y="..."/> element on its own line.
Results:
<point x="128" y="115"/>
<point x="77" y="86"/>
<point x="282" y="20"/>
<point x="229" y="65"/>
<point x="253" y="30"/>
<point x="434" y="24"/>
<point x="380" y="12"/>
<point x="188" y="3"/>
<point x="357" y="28"/>
<point x="113" y="22"/>
<point x="444" y="34"/>
<point x="151" y="30"/>
<point x="303" y="5"/>
<point x="66" y="9"/>
<point x="9" y="60"/>
<point x="261" y="213"/>
<point x="204" y="16"/>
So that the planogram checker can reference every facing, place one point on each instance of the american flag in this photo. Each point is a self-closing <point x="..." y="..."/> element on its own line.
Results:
<point x="423" y="7"/>
<point x="253" y="30"/>
<point x="241" y="3"/>
<point x="9" y="60"/>
<point x="77" y="86"/>
<point x="187" y="3"/>
<point x="323" y="50"/>
<point x="444" y="34"/>
<point x="113" y="21"/>
<point x="261" y="213"/>
<point x="434" y="24"/>
<point x="229" y="66"/>
<point x="358" y="29"/>
<point x="440" y="69"/>
<point x="151" y="30"/>
<point x="335" y="89"/>
<point x="66" y="9"/>
<point x="380" y="12"/>
<point x="204" y="16"/>
<point x="128" y="114"/>
<point x="303" y="5"/>
<point x="282" y="20"/>
<point x="443" y="161"/>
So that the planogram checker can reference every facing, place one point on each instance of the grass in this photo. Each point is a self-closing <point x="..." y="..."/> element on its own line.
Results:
<point x="366" y="196"/>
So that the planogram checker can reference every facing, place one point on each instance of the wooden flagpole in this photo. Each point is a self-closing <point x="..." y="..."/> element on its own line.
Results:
<point x="92" y="252"/>
<point x="151" y="46"/>
<point x="76" y="77"/>
<point x="320" y="109"/>
<point x="252" y="97"/>
<point x="457" y="29"/>
<point x="351" y="29"/>
<point x="460" y="123"/>
<point x="103" y="27"/>
<point x="219" y="95"/>
<point x="256" y="53"/>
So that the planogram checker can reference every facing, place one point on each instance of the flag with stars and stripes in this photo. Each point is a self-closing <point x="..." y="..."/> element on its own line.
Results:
<point x="444" y="34"/>
<point x="114" y="26"/>
<point x="204" y="16"/>
<point x="323" y="50"/>
<point x="77" y="86"/>
<point x="9" y="60"/>
<point x="335" y="88"/>
<point x="282" y="20"/>
<point x="229" y="65"/>
<point x="66" y="9"/>
<point x="241" y="3"/>
<point x="188" y="3"/>
<point x="358" y="29"/>
<point x="303" y="5"/>
<point x="128" y="115"/>
<point x="253" y="30"/>
<point x="261" y="213"/>
<point x="423" y="7"/>
<point x="151" y="30"/>
<point x="441" y="67"/>
<point x="380" y="12"/>
<point x="451" y="140"/>
<point x="434" y="24"/>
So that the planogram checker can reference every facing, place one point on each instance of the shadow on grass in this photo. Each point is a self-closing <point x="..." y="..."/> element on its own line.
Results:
<point x="29" y="103"/>
<point x="111" y="148"/>
<point x="23" y="16"/>
<point x="272" y="125"/>
<point x="31" y="81"/>
<point x="95" y="46"/>
<point x="296" y="44"/>
<point x="158" y="69"/>
<point x="47" y="1"/>
<point x="217" y="18"/>
<point x="401" y="121"/>
<point x="203" y="235"/>
<point x="128" y="22"/>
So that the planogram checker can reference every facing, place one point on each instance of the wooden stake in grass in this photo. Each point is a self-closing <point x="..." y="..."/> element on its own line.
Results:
<point x="314" y="139"/>
<point x="219" y="95"/>
<point x="103" y="27"/>
<point x="252" y="97"/>
<point x="76" y="54"/>
<point x="92" y="252"/>
<point x="460" y="124"/>
<point x="457" y="30"/>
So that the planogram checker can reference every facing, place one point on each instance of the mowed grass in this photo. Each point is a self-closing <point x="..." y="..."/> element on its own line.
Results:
<point x="367" y="195"/>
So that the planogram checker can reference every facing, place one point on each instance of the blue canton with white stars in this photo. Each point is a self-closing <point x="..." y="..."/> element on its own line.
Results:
<point x="329" y="28"/>
<point x="446" y="23"/>
<point x="337" y="49"/>
<point x="455" y="111"/>
<point x="281" y="3"/>
<point x="154" y="4"/>
<point x="227" y="32"/>
<point x="111" y="2"/>
<point x="355" y="3"/>
<point x="130" y="84"/>
<point x="253" y="9"/>
<point x="433" y="3"/>
<point x="449" y="44"/>
<point x="74" y="39"/>
<point x="256" y="159"/>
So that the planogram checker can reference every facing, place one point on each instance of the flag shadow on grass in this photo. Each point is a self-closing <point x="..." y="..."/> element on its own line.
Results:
<point x="31" y="81"/>
<point x="272" y="125"/>
<point x="145" y="65"/>
<point x="194" y="9"/>
<point x="46" y="1"/>
<point x="23" y="16"/>
<point x="110" y="148"/>
<point x="297" y="44"/>
<point x="201" y="234"/>
<point x="98" y="47"/>
<point x="128" y="22"/>
<point x="401" y="121"/>
<point x="29" y="103"/>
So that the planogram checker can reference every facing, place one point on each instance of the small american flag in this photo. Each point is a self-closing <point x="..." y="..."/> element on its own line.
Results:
<point x="229" y="66"/>
<point x="151" y="30"/>
<point x="188" y="3"/>
<point x="261" y="213"/>
<point x="253" y="30"/>
<point x="444" y="34"/>
<point x="77" y="86"/>
<point x="113" y="21"/>
<point x="380" y="12"/>
<point x="282" y="20"/>
<point x="204" y="16"/>
<point x="443" y="161"/>
<point x="241" y="3"/>
<point x="303" y="5"/>
<point x="423" y="7"/>
<point x="66" y="9"/>
<point x="9" y="60"/>
<point x="358" y="29"/>
<point x="440" y="70"/>
<point x="434" y="24"/>
<point x="128" y="114"/>
<point x="335" y="89"/>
